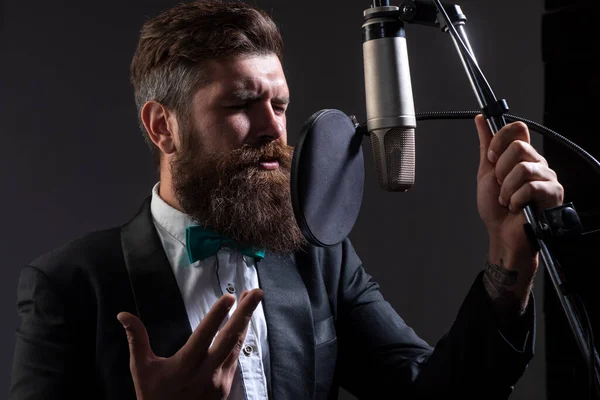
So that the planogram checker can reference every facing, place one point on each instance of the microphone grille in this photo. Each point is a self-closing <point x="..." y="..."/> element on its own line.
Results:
<point x="394" y="158"/>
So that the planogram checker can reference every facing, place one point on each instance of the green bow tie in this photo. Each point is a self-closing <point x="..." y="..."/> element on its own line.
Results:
<point x="202" y="243"/>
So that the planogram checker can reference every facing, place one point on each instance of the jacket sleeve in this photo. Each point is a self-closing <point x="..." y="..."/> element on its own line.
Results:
<point x="48" y="362"/>
<point x="381" y="356"/>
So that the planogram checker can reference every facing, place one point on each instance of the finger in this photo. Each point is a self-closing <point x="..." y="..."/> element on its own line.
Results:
<point x="505" y="136"/>
<point x="485" y="137"/>
<point x="202" y="337"/>
<point x="231" y="362"/>
<point x="517" y="152"/>
<point x="541" y="194"/>
<point x="232" y="335"/>
<point x="522" y="174"/>
<point x="244" y="294"/>
<point x="137" y="337"/>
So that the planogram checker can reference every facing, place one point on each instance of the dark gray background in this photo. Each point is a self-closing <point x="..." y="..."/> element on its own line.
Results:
<point x="74" y="161"/>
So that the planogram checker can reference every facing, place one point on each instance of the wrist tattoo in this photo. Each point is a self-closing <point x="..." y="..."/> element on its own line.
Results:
<point x="498" y="282"/>
<point x="500" y="274"/>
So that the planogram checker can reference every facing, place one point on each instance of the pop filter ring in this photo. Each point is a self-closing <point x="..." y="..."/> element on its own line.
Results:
<point x="327" y="177"/>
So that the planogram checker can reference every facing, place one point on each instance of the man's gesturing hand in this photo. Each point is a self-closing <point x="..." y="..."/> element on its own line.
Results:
<point x="198" y="369"/>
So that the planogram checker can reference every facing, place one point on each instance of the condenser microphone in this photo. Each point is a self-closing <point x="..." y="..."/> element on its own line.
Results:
<point x="390" y="106"/>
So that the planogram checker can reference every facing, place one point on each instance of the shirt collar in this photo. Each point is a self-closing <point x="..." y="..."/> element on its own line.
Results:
<point x="171" y="220"/>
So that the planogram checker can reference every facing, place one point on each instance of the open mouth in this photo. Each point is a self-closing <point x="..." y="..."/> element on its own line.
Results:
<point x="269" y="164"/>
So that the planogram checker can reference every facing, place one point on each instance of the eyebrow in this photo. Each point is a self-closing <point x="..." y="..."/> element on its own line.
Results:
<point x="248" y="95"/>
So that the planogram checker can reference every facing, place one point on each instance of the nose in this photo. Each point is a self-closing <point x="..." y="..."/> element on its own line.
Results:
<point x="269" y="124"/>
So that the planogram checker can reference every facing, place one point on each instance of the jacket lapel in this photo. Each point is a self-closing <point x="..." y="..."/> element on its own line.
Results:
<point x="157" y="296"/>
<point x="290" y="328"/>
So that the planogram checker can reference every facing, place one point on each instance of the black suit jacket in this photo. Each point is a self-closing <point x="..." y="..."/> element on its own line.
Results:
<point x="328" y="325"/>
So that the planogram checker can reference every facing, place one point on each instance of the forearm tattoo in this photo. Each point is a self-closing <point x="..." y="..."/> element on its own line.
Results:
<point x="500" y="284"/>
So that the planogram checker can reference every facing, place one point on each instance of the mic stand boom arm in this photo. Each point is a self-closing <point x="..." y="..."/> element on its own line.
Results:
<point x="451" y="19"/>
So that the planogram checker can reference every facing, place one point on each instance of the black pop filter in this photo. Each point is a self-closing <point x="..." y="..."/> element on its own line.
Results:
<point x="327" y="177"/>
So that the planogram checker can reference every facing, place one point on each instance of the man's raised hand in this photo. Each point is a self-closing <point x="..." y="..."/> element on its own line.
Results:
<point x="202" y="368"/>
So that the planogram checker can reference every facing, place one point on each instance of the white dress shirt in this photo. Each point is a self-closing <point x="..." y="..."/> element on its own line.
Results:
<point x="204" y="281"/>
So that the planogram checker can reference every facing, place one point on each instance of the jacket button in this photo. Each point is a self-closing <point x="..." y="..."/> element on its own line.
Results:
<point x="247" y="350"/>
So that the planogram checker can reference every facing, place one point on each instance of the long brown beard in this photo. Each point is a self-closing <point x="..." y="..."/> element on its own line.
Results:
<point x="232" y="195"/>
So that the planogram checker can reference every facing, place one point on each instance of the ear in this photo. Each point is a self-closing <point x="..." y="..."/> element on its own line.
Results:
<point x="161" y="125"/>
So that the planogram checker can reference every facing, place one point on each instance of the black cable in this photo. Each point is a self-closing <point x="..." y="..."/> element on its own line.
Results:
<point x="546" y="132"/>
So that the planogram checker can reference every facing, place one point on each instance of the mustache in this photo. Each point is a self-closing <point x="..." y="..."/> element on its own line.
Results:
<point x="250" y="157"/>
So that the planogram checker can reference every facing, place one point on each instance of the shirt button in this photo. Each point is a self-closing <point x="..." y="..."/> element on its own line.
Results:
<point x="230" y="288"/>
<point x="248" y="350"/>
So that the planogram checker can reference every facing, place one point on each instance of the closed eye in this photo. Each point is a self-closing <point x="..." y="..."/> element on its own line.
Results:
<point x="279" y="108"/>
<point x="237" y="106"/>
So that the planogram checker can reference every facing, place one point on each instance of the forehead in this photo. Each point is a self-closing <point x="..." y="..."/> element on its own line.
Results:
<point x="257" y="73"/>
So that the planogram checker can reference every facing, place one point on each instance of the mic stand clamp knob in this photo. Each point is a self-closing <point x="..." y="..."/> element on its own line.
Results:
<point x="561" y="221"/>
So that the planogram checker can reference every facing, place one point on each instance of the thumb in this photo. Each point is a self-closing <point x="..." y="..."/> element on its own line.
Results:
<point x="137" y="336"/>
<point x="485" y="138"/>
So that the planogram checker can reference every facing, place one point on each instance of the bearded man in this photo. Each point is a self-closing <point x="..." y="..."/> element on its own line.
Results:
<point x="219" y="293"/>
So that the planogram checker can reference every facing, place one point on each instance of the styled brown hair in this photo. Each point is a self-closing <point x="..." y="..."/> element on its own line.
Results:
<point x="168" y="62"/>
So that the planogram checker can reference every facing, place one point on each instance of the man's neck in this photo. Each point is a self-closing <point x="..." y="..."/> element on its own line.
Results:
<point x="166" y="193"/>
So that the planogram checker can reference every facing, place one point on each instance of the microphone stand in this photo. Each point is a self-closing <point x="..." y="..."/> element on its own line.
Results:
<point x="561" y="221"/>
